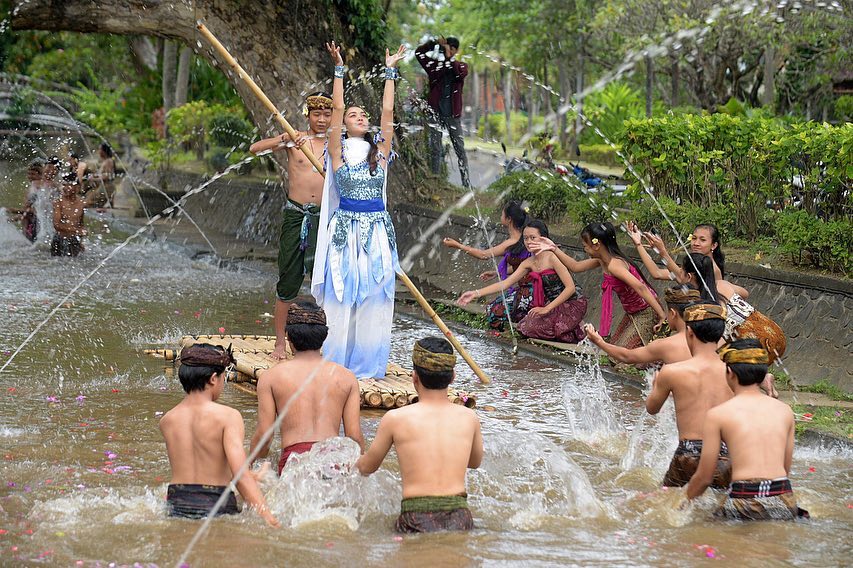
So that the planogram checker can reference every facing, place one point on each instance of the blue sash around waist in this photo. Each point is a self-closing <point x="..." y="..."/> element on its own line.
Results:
<point x="362" y="205"/>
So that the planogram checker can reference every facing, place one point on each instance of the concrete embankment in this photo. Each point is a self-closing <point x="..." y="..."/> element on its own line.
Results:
<point x="814" y="311"/>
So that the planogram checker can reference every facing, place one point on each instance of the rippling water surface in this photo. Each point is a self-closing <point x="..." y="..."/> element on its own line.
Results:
<point x="570" y="475"/>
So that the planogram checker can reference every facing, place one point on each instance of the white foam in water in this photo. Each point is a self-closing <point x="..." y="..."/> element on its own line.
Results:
<point x="116" y="506"/>
<point x="323" y="485"/>
<point x="590" y="410"/>
<point x="527" y="479"/>
<point x="10" y="234"/>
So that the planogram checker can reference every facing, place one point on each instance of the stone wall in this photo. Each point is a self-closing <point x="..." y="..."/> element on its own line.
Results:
<point x="814" y="311"/>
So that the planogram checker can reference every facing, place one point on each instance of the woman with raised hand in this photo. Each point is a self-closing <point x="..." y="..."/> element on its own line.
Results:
<point x="354" y="272"/>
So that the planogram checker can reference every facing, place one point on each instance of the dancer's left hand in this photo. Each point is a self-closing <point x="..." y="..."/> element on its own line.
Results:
<point x="466" y="297"/>
<point x="391" y="59"/>
<point x="659" y="325"/>
<point x="539" y="311"/>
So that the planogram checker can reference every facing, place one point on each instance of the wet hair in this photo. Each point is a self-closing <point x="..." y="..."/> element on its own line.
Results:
<point x="539" y="225"/>
<point x="707" y="331"/>
<point x="107" y="149"/>
<point x="453" y="42"/>
<point x="518" y="218"/>
<point x="435" y="380"/>
<point x="35" y="166"/>
<point x="307" y="336"/>
<point x="747" y="373"/>
<point x="703" y="268"/>
<point x="54" y="161"/>
<point x="606" y="235"/>
<point x="717" y="253"/>
<point x="195" y="378"/>
<point x="74" y="155"/>
<point x="70" y="177"/>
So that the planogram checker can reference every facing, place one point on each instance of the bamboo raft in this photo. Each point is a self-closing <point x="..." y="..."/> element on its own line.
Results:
<point x="253" y="355"/>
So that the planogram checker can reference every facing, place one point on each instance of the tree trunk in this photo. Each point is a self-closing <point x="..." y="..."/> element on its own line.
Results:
<point x="768" y="97"/>
<point x="508" y="104"/>
<point x="487" y="105"/>
<point x="675" y="80"/>
<point x="144" y="52"/>
<point x="170" y="54"/>
<point x="183" y="83"/>
<point x="565" y="92"/>
<point x="264" y="46"/>
<point x="650" y="85"/>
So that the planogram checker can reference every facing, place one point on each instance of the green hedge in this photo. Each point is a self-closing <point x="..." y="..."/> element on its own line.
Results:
<point x="602" y="154"/>
<point x="744" y="162"/>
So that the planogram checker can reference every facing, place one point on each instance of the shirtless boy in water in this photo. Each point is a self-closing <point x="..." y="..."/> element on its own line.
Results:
<point x="670" y="349"/>
<point x="329" y="395"/>
<point x="759" y="432"/>
<point x="205" y="441"/>
<point x="68" y="219"/>
<point x="436" y="442"/>
<point x="298" y="240"/>
<point x="697" y="385"/>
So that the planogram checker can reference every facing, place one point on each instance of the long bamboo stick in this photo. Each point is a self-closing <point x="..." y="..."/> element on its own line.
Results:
<point x="310" y="155"/>
<point x="443" y="327"/>
<point x="259" y="93"/>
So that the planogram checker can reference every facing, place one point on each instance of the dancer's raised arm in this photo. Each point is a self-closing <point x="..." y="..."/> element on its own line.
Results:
<point x="386" y="124"/>
<point x="544" y="243"/>
<point x="636" y="237"/>
<point x="337" y="122"/>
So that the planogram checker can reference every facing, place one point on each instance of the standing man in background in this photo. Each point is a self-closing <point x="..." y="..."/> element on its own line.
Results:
<point x="446" y="79"/>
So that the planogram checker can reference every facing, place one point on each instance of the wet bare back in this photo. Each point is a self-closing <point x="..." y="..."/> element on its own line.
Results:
<point x="434" y="445"/>
<point x="331" y="398"/>
<point x="759" y="431"/>
<point x="196" y="436"/>
<point x="697" y="385"/>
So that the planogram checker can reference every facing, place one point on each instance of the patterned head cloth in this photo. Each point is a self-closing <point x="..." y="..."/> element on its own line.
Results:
<point x="436" y="362"/>
<point x="681" y="295"/>
<point x="317" y="102"/>
<point x="305" y="315"/>
<point x="701" y="312"/>
<point x="203" y="356"/>
<point x="751" y="355"/>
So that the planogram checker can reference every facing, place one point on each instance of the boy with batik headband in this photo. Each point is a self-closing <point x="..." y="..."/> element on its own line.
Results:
<point x="670" y="349"/>
<point x="759" y="433"/>
<point x="298" y="237"/>
<point x="697" y="385"/>
<point x="204" y="441"/>
<point x="436" y="442"/>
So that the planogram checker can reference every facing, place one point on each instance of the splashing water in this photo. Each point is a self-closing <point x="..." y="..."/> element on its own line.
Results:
<point x="589" y="408"/>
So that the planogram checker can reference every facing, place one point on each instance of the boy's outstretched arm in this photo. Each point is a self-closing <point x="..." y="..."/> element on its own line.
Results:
<point x="372" y="459"/>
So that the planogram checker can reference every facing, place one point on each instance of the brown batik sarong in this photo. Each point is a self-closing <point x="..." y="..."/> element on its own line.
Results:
<point x="766" y="331"/>
<point x="685" y="461"/>
<point x="761" y="500"/>
<point x="431" y="514"/>
<point x="194" y="501"/>
<point x="635" y="330"/>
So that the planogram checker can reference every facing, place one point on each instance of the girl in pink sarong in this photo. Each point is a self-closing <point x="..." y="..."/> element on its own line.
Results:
<point x="558" y="305"/>
<point x="643" y="312"/>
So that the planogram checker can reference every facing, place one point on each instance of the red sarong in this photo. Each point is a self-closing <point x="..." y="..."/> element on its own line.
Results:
<point x="298" y="448"/>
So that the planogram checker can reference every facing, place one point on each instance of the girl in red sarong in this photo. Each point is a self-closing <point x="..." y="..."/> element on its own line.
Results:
<point x="558" y="305"/>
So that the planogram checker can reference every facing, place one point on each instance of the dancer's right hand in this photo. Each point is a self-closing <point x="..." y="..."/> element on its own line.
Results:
<point x="656" y="242"/>
<point x="541" y="244"/>
<point x="452" y="243"/>
<point x="592" y="334"/>
<point x="634" y="233"/>
<point x="488" y="275"/>
<point x="466" y="297"/>
<point x="335" y="53"/>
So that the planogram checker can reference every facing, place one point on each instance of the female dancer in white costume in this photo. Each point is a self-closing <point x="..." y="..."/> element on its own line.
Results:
<point x="356" y="263"/>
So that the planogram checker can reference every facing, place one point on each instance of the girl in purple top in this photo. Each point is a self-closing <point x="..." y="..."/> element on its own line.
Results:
<point x="515" y="300"/>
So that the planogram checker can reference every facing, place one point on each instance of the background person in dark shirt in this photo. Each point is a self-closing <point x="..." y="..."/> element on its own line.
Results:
<point x="446" y="78"/>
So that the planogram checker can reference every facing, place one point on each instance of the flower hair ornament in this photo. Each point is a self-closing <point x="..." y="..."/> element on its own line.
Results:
<point x="594" y="241"/>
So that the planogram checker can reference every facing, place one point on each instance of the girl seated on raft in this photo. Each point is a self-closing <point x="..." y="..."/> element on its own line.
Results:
<point x="643" y="312"/>
<point x="558" y="305"/>
<point x="515" y="300"/>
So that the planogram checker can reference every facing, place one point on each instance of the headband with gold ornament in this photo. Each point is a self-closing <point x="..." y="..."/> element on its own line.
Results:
<point x="316" y="102"/>
<point x="436" y="362"/>
<point x="753" y="355"/>
<point x="702" y="312"/>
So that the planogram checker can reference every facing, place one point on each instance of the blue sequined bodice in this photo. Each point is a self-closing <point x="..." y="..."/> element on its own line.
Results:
<point x="355" y="182"/>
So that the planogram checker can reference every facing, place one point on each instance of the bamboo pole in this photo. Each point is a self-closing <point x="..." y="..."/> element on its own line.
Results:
<point x="443" y="327"/>
<point x="310" y="155"/>
<point x="259" y="93"/>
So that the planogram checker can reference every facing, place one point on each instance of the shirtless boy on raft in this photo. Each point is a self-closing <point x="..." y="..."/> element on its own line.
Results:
<point x="298" y="240"/>
<point x="697" y="385"/>
<point x="332" y="396"/>
<point x="204" y="441"/>
<point x="759" y="432"/>
<point x="436" y="442"/>
<point x="670" y="349"/>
